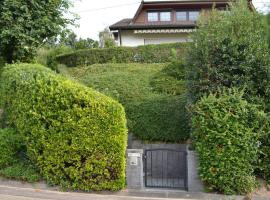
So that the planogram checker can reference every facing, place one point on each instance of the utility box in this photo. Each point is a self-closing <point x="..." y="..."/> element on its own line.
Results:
<point x="134" y="170"/>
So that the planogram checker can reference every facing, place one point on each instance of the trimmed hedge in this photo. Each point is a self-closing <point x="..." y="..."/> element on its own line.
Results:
<point x="226" y="132"/>
<point x="142" y="54"/>
<point x="76" y="135"/>
<point x="11" y="143"/>
<point x="155" y="110"/>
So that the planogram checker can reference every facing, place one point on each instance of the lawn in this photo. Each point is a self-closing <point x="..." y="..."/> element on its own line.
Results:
<point x="153" y="97"/>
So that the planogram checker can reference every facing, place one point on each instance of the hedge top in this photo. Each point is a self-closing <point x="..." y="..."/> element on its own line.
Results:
<point x="142" y="54"/>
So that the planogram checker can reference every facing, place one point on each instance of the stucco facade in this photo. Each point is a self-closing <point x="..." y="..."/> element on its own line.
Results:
<point x="132" y="39"/>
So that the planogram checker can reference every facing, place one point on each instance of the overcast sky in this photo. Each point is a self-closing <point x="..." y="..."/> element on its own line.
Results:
<point x="95" y="15"/>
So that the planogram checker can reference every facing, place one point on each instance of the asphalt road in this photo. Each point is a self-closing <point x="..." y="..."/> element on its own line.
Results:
<point x="13" y="190"/>
<point x="20" y="193"/>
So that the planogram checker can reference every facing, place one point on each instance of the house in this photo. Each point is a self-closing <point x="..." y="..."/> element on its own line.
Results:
<point x="157" y="22"/>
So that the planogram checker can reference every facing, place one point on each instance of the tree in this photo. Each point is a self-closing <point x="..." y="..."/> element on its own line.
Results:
<point x="25" y="25"/>
<point x="69" y="39"/>
<point x="106" y="39"/>
<point x="87" y="43"/>
<point x="230" y="50"/>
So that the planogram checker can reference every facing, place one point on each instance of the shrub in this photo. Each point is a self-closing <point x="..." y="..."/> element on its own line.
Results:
<point x="23" y="171"/>
<point x="76" y="135"/>
<point x="47" y="56"/>
<point x="11" y="143"/>
<point x="154" y="111"/>
<point x="230" y="50"/>
<point x="226" y="132"/>
<point x="263" y="163"/>
<point x="171" y="79"/>
<point x="142" y="54"/>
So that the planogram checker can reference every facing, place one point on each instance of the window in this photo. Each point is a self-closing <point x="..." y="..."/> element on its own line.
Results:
<point x="152" y="16"/>
<point x="193" y="15"/>
<point x="187" y="15"/>
<point x="165" y="16"/>
<point x="181" y="16"/>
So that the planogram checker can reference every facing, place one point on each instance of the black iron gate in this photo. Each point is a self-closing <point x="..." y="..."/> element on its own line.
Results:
<point x="165" y="168"/>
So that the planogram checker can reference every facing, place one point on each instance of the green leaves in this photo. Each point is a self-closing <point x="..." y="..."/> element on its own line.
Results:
<point x="153" y="96"/>
<point x="25" y="25"/>
<point x="226" y="134"/>
<point x="141" y="54"/>
<point x="75" y="135"/>
<point x="230" y="50"/>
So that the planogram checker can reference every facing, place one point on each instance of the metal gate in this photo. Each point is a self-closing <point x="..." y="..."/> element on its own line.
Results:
<point x="165" y="168"/>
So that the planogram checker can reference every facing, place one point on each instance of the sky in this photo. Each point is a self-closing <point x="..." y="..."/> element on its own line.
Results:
<point x="95" y="15"/>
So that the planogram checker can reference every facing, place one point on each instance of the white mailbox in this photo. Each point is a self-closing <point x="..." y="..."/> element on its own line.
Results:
<point x="133" y="158"/>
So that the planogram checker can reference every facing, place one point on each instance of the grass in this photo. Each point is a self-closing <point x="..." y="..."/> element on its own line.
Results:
<point x="154" y="98"/>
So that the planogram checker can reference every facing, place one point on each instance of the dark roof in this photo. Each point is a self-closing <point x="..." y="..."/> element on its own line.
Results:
<point x="121" y="24"/>
<point x="126" y="24"/>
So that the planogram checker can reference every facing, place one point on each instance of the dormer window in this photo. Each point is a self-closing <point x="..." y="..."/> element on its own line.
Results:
<point x="152" y="16"/>
<point x="181" y="16"/>
<point x="189" y="15"/>
<point x="159" y="16"/>
<point x="193" y="15"/>
<point x="165" y="16"/>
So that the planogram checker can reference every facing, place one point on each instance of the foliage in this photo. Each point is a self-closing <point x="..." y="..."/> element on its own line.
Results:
<point x="267" y="27"/>
<point x="25" y="25"/>
<point x="263" y="163"/>
<point x="154" y="112"/>
<point x="141" y="54"/>
<point x="171" y="79"/>
<point x="106" y="39"/>
<point x="226" y="132"/>
<point x="70" y="40"/>
<point x="11" y="143"/>
<point x="229" y="50"/>
<point x="13" y="163"/>
<point x="46" y="56"/>
<point x="86" y="44"/>
<point x="21" y="171"/>
<point x="75" y="135"/>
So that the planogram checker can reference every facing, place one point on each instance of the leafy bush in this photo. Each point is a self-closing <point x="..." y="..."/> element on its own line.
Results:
<point x="230" y="50"/>
<point x="171" y="79"/>
<point x="21" y="171"/>
<point x="226" y="132"/>
<point x="154" y="112"/>
<point x="142" y="54"/>
<point x="13" y="163"/>
<point x="76" y="135"/>
<point x="263" y="163"/>
<point x="47" y="56"/>
<point x="11" y="143"/>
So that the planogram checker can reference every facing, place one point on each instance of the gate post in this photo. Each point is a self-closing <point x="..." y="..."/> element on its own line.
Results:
<point x="194" y="182"/>
<point x="134" y="170"/>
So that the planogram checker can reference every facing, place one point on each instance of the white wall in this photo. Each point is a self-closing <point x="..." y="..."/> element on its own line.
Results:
<point x="131" y="39"/>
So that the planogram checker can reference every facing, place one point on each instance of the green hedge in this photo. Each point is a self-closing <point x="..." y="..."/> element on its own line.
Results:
<point x="142" y="54"/>
<point x="225" y="131"/>
<point x="10" y="144"/>
<point x="76" y="135"/>
<point x="155" y="110"/>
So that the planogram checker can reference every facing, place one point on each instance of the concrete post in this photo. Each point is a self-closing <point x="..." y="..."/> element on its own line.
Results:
<point x="134" y="170"/>
<point x="194" y="182"/>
